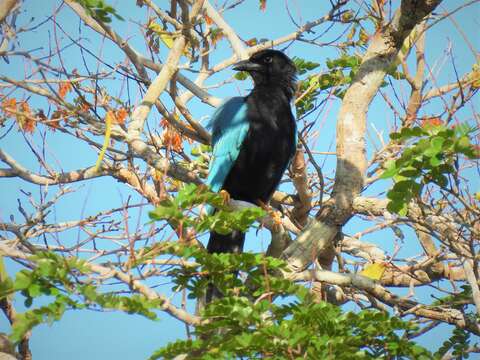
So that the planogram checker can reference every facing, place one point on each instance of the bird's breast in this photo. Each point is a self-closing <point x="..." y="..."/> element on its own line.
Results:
<point x="266" y="150"/>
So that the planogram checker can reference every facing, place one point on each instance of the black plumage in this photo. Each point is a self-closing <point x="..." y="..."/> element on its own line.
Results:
<point x="270" y="142"/>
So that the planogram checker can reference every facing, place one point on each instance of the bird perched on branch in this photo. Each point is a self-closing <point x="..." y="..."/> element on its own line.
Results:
<point x="254" y="139"/>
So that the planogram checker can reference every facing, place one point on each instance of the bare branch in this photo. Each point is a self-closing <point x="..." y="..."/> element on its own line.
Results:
<point x="235" y="42"/>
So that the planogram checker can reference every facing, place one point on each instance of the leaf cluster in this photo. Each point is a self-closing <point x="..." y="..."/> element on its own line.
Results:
<point x="266" y="315"/>
<point x="429" y="157"/>
<point x="200" y="156"/>
<point x="269" y="316"/>
<point x="100" y="10"/>
<point x="457" y="345"/>
<point x="224" y="220"/>
<point x="58" y="279"/>
<point x="458" y="300"/>
<point x="222" y="269"/>
<point x="341" y="73"/>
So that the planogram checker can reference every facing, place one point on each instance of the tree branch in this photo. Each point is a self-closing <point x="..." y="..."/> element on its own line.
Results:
<point x="235" y="42"/>
<point x="6" y="6"/>
<point x="451" y="316"/>
<point x="107" y="272"/>
<point x="318" y="238"/>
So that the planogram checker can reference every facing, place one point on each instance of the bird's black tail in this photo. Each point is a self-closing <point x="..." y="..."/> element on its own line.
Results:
<point x="230" y="243"/>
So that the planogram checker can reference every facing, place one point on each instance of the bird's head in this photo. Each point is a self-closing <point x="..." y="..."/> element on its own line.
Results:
<point x="271" y="68"/>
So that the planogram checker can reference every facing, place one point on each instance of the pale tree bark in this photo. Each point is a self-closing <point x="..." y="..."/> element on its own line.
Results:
<point x="237" y="45"/>
<point x="452" y="316"/>
<point x="6" y="6"/>
<point x="318" y="238"/>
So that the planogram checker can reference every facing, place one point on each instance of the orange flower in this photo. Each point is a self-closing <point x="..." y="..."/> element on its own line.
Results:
<point x="9" y="106"/>
<point x="64" y="88"/>
<point x="172" y="139"/>
<point x="120" y="116"/>
<point x="208" y="19"/>
<point x="25" y="108"/>
<point x="85" y="106"/>
<point x="164" y="123"/>
<point x="431" y="121"/>
<point x="111" y="117"/>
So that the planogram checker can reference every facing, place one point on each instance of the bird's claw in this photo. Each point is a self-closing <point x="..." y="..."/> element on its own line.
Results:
<point x="275" y="215"/>
<point x="225" y="196"/>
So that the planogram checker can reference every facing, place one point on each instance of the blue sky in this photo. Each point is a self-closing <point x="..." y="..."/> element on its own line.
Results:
<point x="96" y="335"/>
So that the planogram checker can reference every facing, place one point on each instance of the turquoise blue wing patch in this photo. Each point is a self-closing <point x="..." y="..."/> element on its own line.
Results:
<point x="229" y="127"/>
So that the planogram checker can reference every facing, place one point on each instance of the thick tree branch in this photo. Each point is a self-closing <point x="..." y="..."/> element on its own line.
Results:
<point x="237" y="45"/>
<point x="6" y="6"/>
<point x="299" y="178"/>
<point x="318" y="238"/>
<point x="61" y="178"/>
<point x="448" y="315"/>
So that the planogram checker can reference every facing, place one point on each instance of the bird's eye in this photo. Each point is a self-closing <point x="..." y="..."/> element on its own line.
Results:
<point x="267" y="60"/>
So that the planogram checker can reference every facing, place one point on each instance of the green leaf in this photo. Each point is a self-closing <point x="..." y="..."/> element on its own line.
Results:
<point x="241" y="75"/>
<point x="463" y="144"/>
<point x="410" y="172"/>
<point x="428" y="157"/>
<point x="390" y="171"/>
<point x="168" y="211"/>
<point x="34" y="290"/>
<point x="437" y="142"/>
<point x="303" y="66"/>
<point x="399" y="207"/>
<point x="395" y="136"/>
<point x="22" y="280"/>
<point x="435" y="161"/>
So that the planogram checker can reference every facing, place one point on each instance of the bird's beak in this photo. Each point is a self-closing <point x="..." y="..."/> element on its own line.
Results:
<point x="247" y="65"/>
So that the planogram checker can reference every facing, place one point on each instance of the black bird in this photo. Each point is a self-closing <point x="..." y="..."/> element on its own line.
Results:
<point x="254" y="139"/>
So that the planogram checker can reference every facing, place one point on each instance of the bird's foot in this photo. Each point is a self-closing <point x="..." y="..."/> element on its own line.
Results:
<point x="275" y="215"/>
<point x="225" y="196"/>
